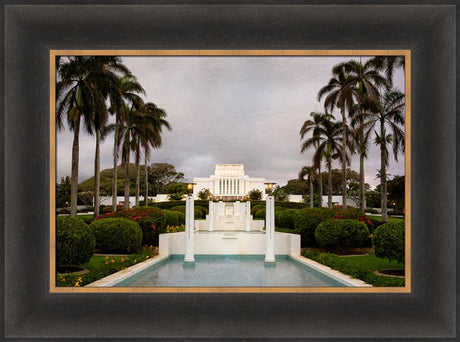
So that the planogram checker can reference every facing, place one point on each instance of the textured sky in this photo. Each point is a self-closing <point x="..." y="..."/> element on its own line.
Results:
<point x="222" y="110"/>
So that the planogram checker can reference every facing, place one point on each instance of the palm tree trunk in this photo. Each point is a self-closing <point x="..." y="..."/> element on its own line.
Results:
<point x="320" y="188"/>
<point x="137" y="175"/>
<point x="344" y="161"/>
<point x="362" y="198"/>
<point x="115" y="171"/>
<point x="127" y="187"/>
<point x="329" y="183"/>
<point x="74" y="172"/>
<point x="362" y="191"/>
<point x="146" y="197"/>
<point x="311" y="192"/>
<point x="97" y="175"/>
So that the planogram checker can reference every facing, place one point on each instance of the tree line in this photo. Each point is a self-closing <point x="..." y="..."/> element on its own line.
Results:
<point x="370" y="108"/>
<point x="90" y="89"/>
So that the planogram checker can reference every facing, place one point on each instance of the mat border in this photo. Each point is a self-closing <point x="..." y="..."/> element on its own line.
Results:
<point x="429" y="311"/>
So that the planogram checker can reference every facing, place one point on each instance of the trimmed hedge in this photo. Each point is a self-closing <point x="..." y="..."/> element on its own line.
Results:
<point x="389" y="241"/>
<point x="340" y="235"/>
<point x="182" y="209"/>
<point x="75" y="241"/>
<point x="117" y="235"/>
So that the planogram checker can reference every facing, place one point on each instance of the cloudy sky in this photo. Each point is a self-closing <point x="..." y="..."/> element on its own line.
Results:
<point x="245" y="110"/>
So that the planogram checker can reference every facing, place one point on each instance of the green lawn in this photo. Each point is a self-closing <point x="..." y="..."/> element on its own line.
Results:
<point x="361" y="267"/>
<point x="390" y="218"/>
<point x="101" y="266"/>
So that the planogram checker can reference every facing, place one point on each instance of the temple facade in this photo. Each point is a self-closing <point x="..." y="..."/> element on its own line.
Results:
<point x="229" y="183"/>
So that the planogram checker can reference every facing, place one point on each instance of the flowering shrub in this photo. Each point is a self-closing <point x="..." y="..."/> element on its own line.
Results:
<point x="341" y="234"/>
<point x="74" y="241"/>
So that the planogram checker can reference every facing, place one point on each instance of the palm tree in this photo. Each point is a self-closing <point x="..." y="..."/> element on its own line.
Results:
<point x="326" y="137"/>
<point x="339" y="95"/>
<point x="310" y="172"/>
<point x="383" y="114"/>
<point x="136" y="126"/>
<point x="106" y="81"/>
<point x="365" y="81"/>
<point x="77" y="98"/>
<point x="156" y="117"/>
<point x="129" y="90"/>
<point x="388" y="64"/>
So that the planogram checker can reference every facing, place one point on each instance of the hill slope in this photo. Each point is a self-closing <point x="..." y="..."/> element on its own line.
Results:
<point x="106" y="181"/>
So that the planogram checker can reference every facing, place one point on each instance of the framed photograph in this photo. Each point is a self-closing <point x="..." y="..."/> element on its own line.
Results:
<point x="217" y="60"/>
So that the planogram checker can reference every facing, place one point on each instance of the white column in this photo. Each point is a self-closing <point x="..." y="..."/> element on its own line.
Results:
<point x="248" y="216"/>
<point x="270" y="230"/>
<point x="189" y="230"/>
<point x="211" y="216"/>
<point x="233" y="186"/>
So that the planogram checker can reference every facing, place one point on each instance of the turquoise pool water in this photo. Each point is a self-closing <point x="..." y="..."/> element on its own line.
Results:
<point x="229" y="271"/>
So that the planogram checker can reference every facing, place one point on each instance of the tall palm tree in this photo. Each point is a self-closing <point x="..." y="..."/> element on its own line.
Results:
<point x="379" y="116"/>
<point x="326" y="139"/>
<point x="78" y="99"/>
<point x="106" y="81"/>
<point x="129" y="96"/>
<point x="157" y="118"/>
<point x="339" y="95"/>
<point x="310" y="172"/>
<point x="365" y="80"/>
<point x="136" y="123"/>
<point x="388" y="64"/>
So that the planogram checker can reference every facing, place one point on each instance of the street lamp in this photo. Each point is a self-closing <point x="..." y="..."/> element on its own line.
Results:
<point x="270" y="227"/>
<point x="190" y="188"/>
<point x="270" y="187"/>
<point x="189" y="257"/>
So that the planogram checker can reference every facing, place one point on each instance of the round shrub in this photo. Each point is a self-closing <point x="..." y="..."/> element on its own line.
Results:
<point x="260" y="214"/>
<point x="256" y="208"/>
<point x="75" y="241"/>
<point x="181" y="218"/>
<point x="198" y="214"/>
<point x="117" y="235"/>
<point x="341" y="235"/>
<point x="202" y="209"/>
<point x="305" y="223"/>
<point x="285" y="218"/>
<point x="172" y="217"/>
<point x="389" y="241"/>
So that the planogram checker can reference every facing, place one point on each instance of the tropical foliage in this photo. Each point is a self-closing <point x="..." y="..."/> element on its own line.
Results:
<point x="370" y="111"/>
<point x="88" y="90"/>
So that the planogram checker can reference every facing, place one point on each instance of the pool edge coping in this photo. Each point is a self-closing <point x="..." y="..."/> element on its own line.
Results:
<point x="119" y="276"/>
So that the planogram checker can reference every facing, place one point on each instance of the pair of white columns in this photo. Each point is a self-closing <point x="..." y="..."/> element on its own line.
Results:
<point x="189" y="257"/>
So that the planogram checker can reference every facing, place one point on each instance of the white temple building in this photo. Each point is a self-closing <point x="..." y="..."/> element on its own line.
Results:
<point x="229" y="183"/>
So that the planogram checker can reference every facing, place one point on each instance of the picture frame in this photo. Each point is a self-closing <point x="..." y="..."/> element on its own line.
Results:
<point x="31" y="311"/>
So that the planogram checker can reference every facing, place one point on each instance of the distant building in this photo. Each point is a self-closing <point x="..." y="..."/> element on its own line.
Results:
<point x="229" y="183"/>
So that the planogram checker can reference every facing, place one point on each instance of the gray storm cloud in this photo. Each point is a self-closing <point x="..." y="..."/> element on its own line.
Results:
<point x="244" y="110"/>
